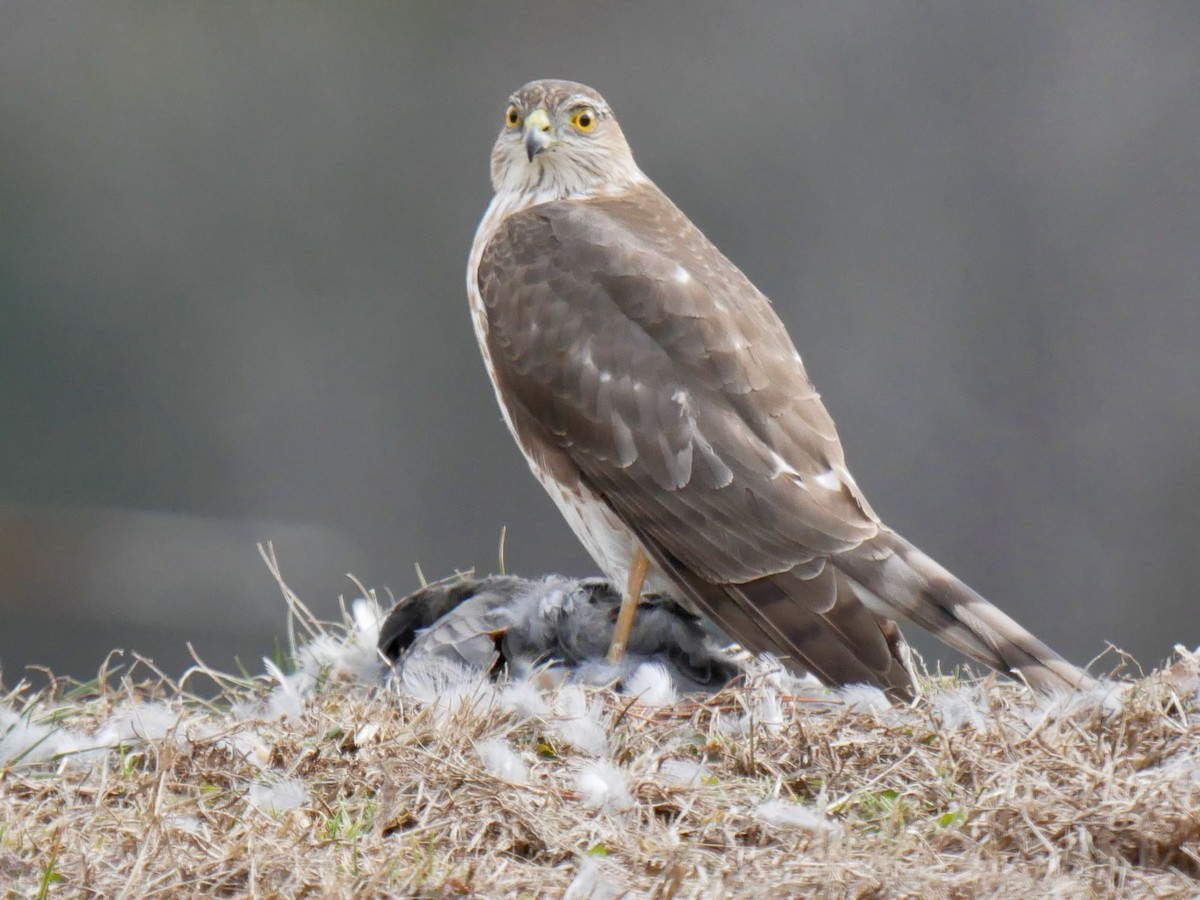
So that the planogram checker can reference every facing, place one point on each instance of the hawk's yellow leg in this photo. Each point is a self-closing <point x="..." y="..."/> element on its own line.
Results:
<point x="629" y="604"/>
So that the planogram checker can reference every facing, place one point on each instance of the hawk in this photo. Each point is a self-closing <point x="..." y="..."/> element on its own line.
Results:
<point x="661" y="403"/>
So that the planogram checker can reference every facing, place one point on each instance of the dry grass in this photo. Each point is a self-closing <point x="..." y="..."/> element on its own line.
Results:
<point x="331" y="786"/>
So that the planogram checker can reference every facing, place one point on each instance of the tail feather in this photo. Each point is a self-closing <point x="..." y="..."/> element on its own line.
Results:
<point x="814" y="624"/>
<point x="895" y="579"/>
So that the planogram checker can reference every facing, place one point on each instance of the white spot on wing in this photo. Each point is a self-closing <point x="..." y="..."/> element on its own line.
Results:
<point x="682" y="275"/>
<point x="678" y="463"/>
<point x="829" y="480"/>
<point x="625" y="447"/>
<point x="722" y="475"/>
<point x="780" y="466"/>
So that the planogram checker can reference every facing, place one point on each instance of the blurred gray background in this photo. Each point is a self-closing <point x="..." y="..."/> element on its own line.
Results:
<point x="232" y="307"/>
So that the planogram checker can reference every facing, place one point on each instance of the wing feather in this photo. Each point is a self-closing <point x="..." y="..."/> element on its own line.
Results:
<point x="651" y="361"/>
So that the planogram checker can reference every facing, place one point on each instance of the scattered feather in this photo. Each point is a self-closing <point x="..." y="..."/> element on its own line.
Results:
<point x="367" y="616"/>
<point x="350" y="655"/>
<point x="768" y="668"/>
<point x="602" y="786"/>
<point x="26" y="741"/>
<point x="683" y="772"/>
<point x="502" y="761"/>
<point x="770" y="710"/>
<point x="782" y="814"/>
<point x="1105" y="698"/>
<point x="864" y="698"/>
<point x="764" y="710"/>
<point x="958" y="707"/>
<point x="578" y="722"/>
<point x="523" y="699"/>
<point x="247" y="746"/>
<point x="138" y="721"/>
<point x="652" y="686"/>
<point x="591" y="882"/>
<point x="446" y="686"/>
<point x="286" y="700"/>
<point x="277" y="795"/>
<point x="188" y="825"/>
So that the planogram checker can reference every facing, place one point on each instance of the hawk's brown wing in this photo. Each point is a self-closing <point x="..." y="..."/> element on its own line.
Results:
<point x="623" y="338"/>
<point x="664" y="374"/>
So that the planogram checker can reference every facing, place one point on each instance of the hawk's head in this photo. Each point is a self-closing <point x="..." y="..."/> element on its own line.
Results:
<point x="560" y="139"/>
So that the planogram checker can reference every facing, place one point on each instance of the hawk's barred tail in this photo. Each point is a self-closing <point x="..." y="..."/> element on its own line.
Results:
<point x="897" y="580"/>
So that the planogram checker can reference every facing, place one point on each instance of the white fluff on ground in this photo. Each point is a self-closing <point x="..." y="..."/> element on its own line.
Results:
<point x="276" y="795"/>
<point x="782" y="814"/>
<point x="651" y="686"/>
<point x="683" y="772"/>
<point x="502" y="761"/>
<point x="863" y="698"/>
<point x="578" y="722"/>
<point x="602" y="786"/>
<point x="593" y="881"/>
<point x="522" y="698"/>
<point x="958" y="707"/>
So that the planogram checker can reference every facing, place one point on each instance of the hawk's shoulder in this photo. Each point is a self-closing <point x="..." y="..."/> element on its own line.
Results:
<point x="637" y="256"/>
<point x="638" y="232"/>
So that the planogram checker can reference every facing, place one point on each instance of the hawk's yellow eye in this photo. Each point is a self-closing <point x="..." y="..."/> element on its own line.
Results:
<point x="512" y="117"/>
<point x="584" y="119"/>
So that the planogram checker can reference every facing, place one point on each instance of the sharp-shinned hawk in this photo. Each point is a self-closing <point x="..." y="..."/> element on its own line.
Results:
<point x="662" y="404"/>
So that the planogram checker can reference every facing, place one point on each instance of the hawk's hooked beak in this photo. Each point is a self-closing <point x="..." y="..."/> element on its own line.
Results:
<point x="537" y="133"/>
